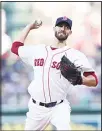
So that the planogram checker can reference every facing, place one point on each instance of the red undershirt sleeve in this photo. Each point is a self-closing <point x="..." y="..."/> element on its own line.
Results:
<point x="93" y="74"/>
<point x="15" y="46"/>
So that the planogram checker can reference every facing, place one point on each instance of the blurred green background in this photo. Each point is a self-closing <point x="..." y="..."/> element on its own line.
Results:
<point x="16" y="76"/>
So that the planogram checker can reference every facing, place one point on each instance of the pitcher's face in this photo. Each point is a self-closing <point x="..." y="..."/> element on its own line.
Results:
<point x="62" y="31"/>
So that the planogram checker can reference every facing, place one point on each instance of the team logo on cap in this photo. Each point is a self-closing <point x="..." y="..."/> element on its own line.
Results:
<point x="65" y="18"/>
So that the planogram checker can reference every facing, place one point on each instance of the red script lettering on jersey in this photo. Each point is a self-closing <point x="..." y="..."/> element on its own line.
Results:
<point x="40" y="62"/>
<point x="55" y="65"/>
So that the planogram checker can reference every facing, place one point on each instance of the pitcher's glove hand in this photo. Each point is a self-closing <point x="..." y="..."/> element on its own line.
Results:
<point x="70" y="71"/>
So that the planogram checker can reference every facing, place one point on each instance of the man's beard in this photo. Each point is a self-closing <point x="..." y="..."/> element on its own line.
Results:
<point x="61" y="38"/>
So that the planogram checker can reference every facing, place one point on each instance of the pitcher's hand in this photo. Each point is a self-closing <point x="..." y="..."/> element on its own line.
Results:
<point x="35" y="25"/>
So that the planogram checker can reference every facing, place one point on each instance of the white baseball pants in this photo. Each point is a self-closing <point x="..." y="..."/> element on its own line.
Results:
<point x="38" y="117"/>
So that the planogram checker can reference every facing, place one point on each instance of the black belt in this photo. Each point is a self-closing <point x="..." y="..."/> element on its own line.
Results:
<point x="52" y="104"/>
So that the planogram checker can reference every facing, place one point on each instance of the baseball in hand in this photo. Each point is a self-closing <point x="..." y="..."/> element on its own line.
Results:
<point x="38" y="22"/>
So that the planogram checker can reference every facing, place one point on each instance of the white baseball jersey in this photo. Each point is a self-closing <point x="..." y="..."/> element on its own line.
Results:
<point x="48" y="84"/>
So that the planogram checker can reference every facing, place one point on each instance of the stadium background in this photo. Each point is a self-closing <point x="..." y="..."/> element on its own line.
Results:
<point x="16" y="76"/>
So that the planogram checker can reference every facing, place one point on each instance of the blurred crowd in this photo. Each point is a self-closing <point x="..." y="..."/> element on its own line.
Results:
<point x="16" y="76"/>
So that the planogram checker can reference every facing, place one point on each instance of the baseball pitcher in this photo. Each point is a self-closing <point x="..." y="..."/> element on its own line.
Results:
<point x="56" y="68"/>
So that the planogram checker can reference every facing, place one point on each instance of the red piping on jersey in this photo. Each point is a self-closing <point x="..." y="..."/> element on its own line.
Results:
<point x="15" y="47"/>
<point x="43" y="74"/>
<point x="93" y="74"/>
<point x="48" y="78"/>
<point x="48" y="82"/>
<point x="43" y="82"/>
<point x="50" y="67"/>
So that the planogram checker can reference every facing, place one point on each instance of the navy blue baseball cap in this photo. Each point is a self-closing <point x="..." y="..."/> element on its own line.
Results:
<point x="64" y="20"/>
